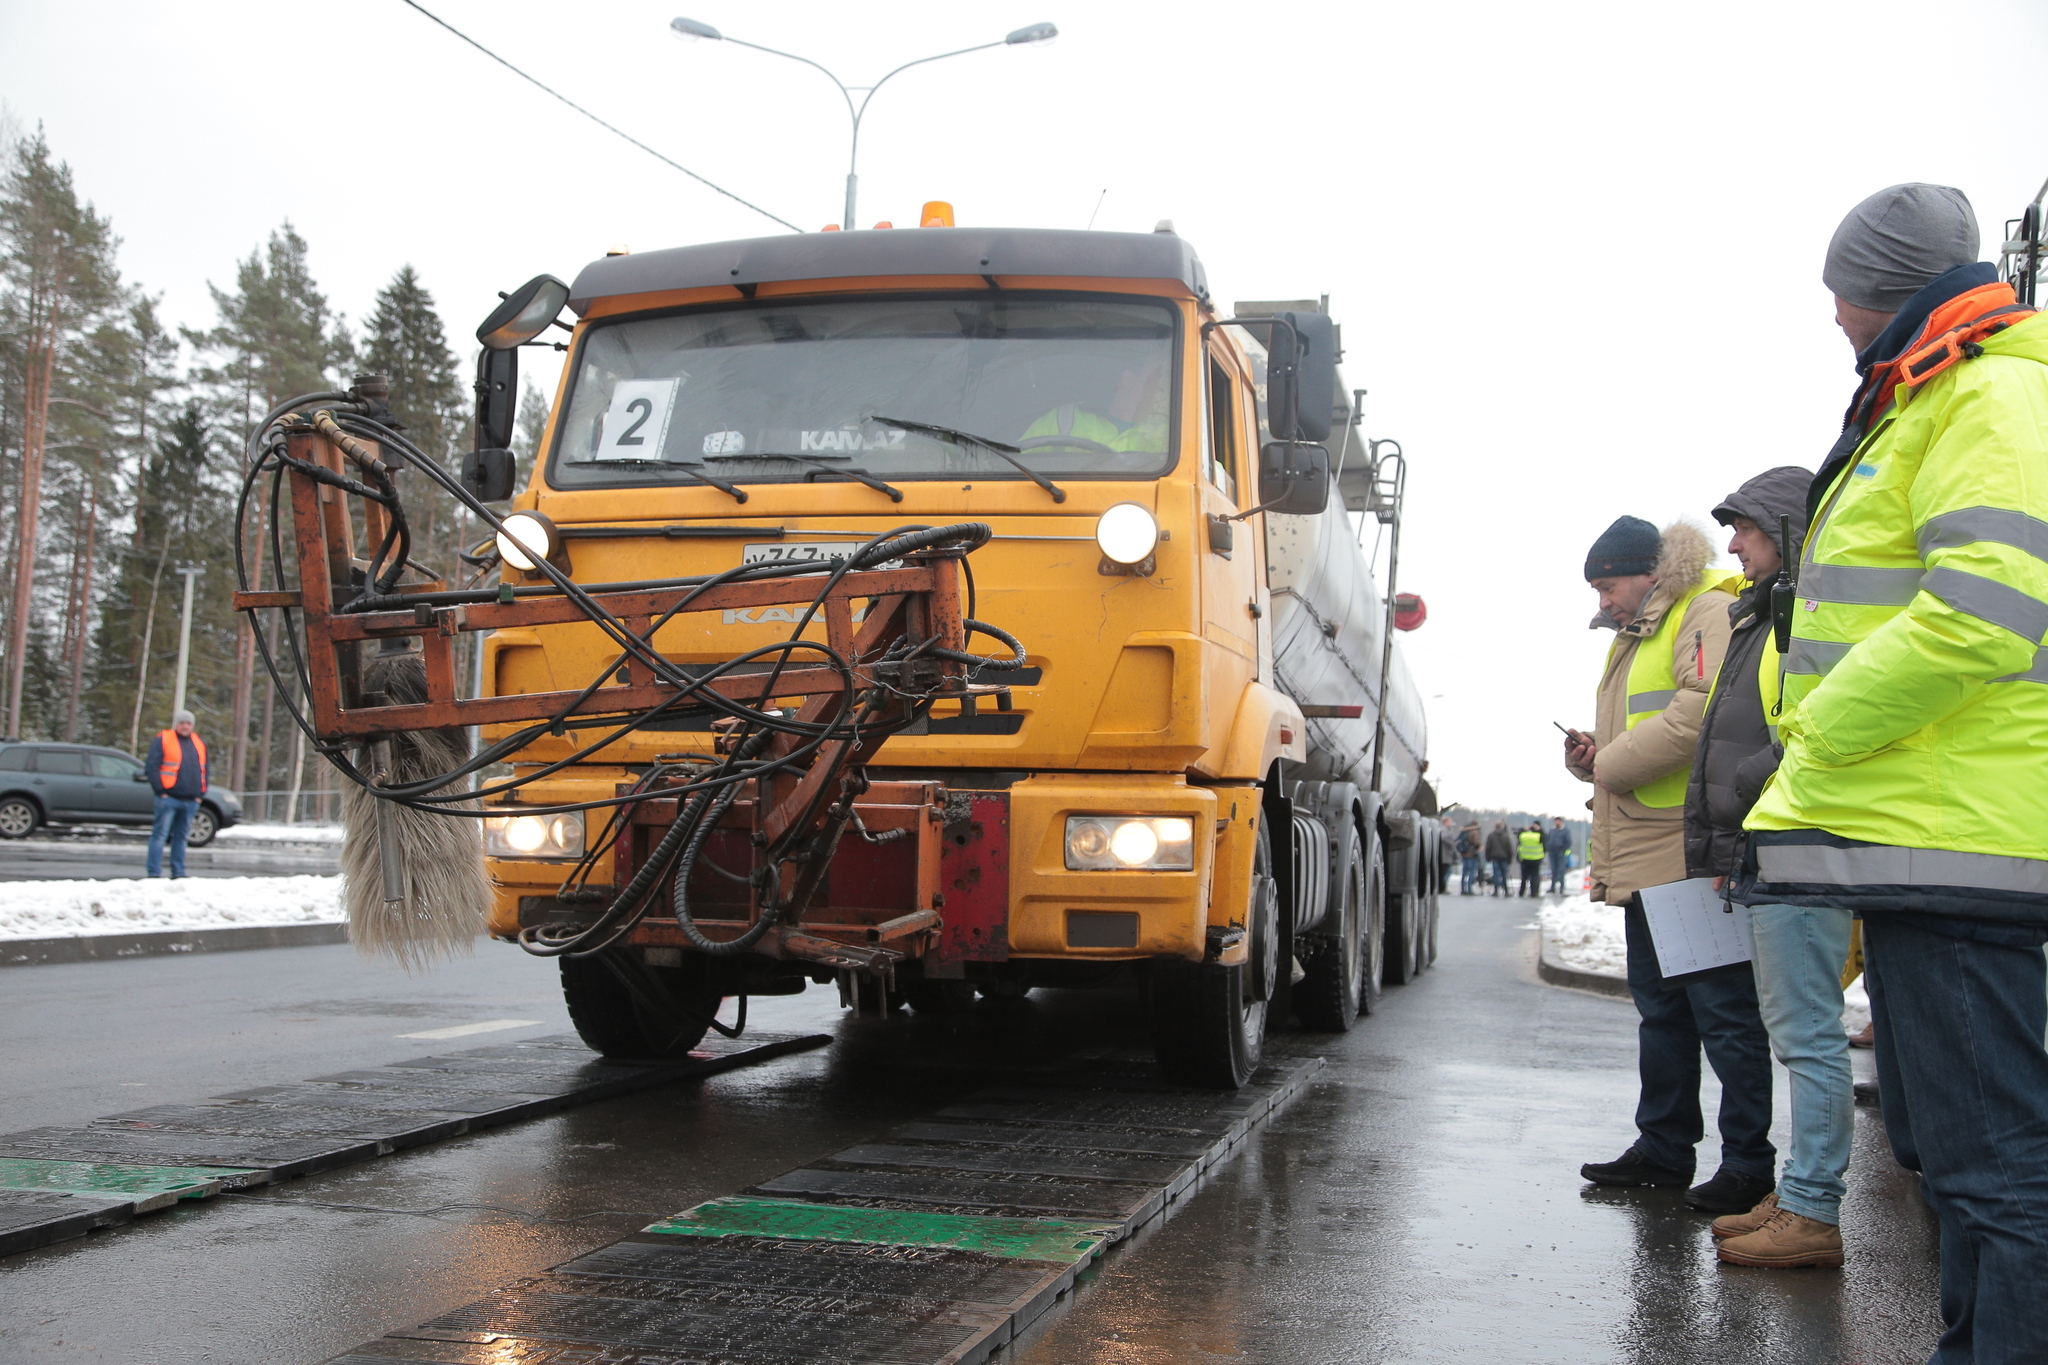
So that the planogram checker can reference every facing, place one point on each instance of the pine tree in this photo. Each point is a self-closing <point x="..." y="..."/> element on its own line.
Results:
<point x="58" y="287"/>
<point x="407" y="344"/>
<point x="275" y="340"/>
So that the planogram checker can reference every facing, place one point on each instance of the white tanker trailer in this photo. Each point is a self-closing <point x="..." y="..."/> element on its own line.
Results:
<point x="1335" y="652"/>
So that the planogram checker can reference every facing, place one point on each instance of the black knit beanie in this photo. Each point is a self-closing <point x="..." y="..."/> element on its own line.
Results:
<point x="1629" y="546"/>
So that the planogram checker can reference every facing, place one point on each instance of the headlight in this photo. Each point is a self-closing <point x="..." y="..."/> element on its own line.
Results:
<point x="527" y="539"/>
<point x="534" y="836"/>
<point x="1127" y="533"/>
<point x="1115" y="843"/>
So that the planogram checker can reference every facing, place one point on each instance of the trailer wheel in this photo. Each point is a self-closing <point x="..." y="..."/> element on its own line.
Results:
<point x="1208" y="1020"/>
<point x="1373" y="965"/>
<point x="1327" y="998"/>
<point x="1428" y="948"/>
<point x="1403" y="911"/>
<point x="622" y="1007"/>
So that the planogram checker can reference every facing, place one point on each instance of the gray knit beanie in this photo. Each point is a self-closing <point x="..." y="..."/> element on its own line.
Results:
<point x="1897" y="240"/>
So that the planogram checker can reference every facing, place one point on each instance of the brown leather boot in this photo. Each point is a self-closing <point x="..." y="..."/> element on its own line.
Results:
<point x="1787" y="1239"/>
<point x="1736" y="1224"/>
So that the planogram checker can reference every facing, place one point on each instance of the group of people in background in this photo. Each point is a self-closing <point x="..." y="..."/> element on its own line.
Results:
<point x="1852" y="729"/>
<point x="1500" y="847"/>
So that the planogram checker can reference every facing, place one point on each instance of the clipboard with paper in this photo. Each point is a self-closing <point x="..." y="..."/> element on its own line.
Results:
<point x="1693" y="929"/>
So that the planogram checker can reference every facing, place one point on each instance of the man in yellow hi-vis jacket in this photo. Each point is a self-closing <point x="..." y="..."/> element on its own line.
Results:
<point x="1914" y="786"/>
<point x="1669" y="613"/>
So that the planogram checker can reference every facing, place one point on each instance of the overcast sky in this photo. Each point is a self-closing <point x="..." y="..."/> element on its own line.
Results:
<point x="1575" y="246"/>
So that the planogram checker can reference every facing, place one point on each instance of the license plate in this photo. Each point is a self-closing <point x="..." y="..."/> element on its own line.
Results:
<point x="805" y="552"/>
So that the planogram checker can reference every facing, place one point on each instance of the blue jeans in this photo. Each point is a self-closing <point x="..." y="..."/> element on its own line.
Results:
<point x="1468" y="873"/>
<point x="1557" y="872"/>
<point x="1716" y="1011"/>
<point x="1798" y="961"/>
<point x="173" y="822"/>
<point x="1965" y="1084"/>
<point x="1500" y="874"/>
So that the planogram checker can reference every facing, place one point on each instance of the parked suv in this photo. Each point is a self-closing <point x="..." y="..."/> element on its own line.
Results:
<point x="75" y="784"/>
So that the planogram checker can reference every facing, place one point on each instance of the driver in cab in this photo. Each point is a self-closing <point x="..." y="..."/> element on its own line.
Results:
<point x="1133" y="420"/>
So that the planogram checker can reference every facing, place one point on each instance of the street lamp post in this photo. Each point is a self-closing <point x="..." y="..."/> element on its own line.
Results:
<point x="693" y="29"/>
<point x="191" y="571"/>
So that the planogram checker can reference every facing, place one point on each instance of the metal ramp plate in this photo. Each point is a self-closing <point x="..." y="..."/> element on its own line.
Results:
<point x="147" y="1159"/>
<point x="913" y="1250"/>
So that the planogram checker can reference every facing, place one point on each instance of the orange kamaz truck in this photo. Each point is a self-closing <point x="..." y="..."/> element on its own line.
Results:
<point x="934" y="612"/>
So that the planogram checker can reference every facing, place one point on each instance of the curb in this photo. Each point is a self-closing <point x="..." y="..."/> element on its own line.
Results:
<point x="37" y="952"/>
<point x="1552" y="969"/>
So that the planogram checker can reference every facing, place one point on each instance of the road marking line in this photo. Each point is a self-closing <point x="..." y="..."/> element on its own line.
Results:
<point x="464" y="1030"/>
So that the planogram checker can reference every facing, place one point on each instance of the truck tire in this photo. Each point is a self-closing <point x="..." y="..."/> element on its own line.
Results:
<point x="622" y="1007"/>
<point x="1427" y="950"/>
<point x="1403" y="910"/>
<point x="1208" y="1020"/>
<point x="1373" y="965"/>
<point x="1326" y="999"/>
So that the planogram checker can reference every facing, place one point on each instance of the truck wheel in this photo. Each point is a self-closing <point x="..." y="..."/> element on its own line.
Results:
<point x="1208" y="1020"/>
<point x="1428" y="948"/>
<point x="624" y="1008"/>
<point x="1402" y="913"/>
<point x="1327" y="998"/>
<point x="1372" y="966"/>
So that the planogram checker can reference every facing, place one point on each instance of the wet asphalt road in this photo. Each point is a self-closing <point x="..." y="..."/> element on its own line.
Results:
<point x="59" y="857"/>
<point x="1419" y="1203"/>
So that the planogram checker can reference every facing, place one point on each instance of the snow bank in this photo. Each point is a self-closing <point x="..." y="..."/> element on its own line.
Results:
<point x="301" y="834"/>
<point x="1855" y="1006"/>
<point x="1587" y="936"/>
<point x="66" y="909"/>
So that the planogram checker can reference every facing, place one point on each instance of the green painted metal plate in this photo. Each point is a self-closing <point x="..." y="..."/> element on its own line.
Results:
<point x="150" y="1187"/>
<point x="1058" y="1240"/>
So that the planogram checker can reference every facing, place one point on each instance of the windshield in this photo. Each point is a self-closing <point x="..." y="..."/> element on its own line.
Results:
<point x="786" y="391"/>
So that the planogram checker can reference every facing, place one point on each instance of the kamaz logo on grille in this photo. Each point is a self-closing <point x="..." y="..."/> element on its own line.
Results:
<point x="849" y="440"/>
<point x="761" y="616"/>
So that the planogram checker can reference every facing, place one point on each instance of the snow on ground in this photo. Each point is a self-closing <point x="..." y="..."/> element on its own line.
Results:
<point x="66" y="909"/>
<point x="1587" y="936"/>
<point x="304" y="834"/>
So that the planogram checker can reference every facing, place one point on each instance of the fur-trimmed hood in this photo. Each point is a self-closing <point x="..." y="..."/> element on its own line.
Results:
<point x="1683" y="554"/>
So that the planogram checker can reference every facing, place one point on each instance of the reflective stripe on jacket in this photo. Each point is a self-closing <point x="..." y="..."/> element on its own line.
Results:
<point x="1916" y="689"/>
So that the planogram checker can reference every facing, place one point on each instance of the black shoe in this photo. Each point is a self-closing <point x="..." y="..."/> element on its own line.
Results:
<point x="1633" y="1168"/>
<point x="1729" y="1192"/>
<point x="1866" y="1093"/>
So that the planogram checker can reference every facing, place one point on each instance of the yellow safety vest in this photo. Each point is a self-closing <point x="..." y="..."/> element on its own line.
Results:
<point x="1653" y="684"/>
<point x="1532" y="846"/>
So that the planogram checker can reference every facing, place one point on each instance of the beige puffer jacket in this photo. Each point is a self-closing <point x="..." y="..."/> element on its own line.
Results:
<point x="1635" y="845"/>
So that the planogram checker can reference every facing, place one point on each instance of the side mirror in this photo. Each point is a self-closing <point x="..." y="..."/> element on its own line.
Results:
<point x="1301" y="376"/>
<point x="138" y="776"/>
<point x="489" y="474"/>
<point x="526" y="312"/>
<point x="1294" y="479"/>
<point x="497" y="398"/>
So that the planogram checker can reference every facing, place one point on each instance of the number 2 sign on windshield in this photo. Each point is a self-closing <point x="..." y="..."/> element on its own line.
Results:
<point x="636" y="423"/>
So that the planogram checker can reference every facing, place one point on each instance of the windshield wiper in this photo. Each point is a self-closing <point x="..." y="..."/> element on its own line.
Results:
<point x="694" y="471"/>
<point x="996" y="448"/>
<point x="818" y="466"/>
